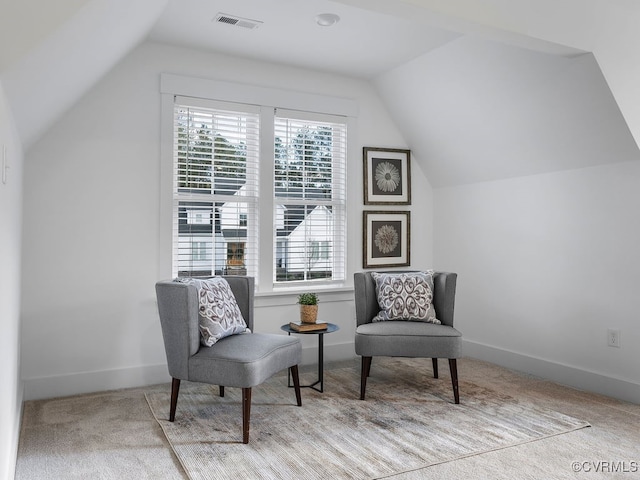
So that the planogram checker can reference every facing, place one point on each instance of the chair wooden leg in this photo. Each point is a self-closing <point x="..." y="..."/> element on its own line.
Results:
<point x="221" y="387"/>
<point x="246" y="413"/>
<point x="435" y="367"/>
<point x="175" y="388"/>
<point x="296" y="383"/>
<point x="453" y="367"/>
<point x="366" y="367"/>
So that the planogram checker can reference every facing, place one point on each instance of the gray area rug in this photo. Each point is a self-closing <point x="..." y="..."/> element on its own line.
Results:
<point x="407" y="422"/>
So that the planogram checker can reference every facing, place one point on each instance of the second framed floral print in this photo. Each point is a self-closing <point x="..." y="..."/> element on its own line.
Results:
<point x="387" y="176"/>
<point x="386" y="239"/>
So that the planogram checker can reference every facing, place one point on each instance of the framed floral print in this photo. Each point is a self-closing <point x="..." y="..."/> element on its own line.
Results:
<point x="387" y="176"/>
<point x="387" y="239"/>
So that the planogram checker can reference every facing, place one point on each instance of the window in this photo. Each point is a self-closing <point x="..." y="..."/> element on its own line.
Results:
<point x="198" y="217"/>
<point x="218" y="214"/>
<point x="215" y="189"/>
<point x="309" y="197"/>
<point x="201" y="250"/>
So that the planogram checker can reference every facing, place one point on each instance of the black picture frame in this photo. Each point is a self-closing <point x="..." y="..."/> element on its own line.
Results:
<point x="386" y="239"/>
<point x="387" y="176"/>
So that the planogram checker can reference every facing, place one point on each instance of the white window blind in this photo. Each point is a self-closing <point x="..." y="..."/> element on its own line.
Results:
<point x="215" y="190"/>
<point x="309" y="197"/>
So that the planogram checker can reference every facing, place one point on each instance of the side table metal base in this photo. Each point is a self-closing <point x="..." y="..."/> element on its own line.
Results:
<point x="320" y="368"/>
<point x="318" y="385"/>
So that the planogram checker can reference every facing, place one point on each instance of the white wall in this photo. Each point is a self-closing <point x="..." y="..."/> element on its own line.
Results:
<point x="546" y="264"/>
<point x="10" y="234"/>
<point x="91" y="224"/>
<point x="545" y="260"/>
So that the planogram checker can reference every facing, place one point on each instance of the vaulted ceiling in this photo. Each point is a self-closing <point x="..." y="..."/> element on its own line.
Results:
<point x="481" y="89"/>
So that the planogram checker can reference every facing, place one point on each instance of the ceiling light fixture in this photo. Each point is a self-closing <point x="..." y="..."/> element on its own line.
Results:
<point x="327" y="19"/>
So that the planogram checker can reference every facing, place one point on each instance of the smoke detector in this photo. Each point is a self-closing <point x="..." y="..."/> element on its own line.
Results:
<point x="327" y="19"/>
<point x="236" y="21"/>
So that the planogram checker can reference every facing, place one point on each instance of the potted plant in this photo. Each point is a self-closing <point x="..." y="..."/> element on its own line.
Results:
<point x="308" y="307"/>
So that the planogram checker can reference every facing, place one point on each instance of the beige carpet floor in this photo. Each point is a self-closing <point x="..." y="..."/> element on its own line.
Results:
<point x="113" y="435"/>
<point x="408" y="422"/>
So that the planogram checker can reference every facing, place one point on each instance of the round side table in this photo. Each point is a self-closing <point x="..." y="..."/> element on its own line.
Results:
<point x="331" y="327"/>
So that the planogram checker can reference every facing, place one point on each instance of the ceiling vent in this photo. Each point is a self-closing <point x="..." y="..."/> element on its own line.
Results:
<point x="237" y="21"/>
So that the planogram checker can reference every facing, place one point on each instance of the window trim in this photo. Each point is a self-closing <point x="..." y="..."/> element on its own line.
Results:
<point x="172" y="85"/>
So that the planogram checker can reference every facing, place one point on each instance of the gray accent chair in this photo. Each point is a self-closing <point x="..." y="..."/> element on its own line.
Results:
<point x="407" y="338"/>
<point x="242" y="361"/>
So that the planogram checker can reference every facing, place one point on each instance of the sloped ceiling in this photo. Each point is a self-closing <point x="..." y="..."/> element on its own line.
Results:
<point x="592" y="105"/>
<point x="42" y="19"/>
<point x="45" y="80"/>
<point x="477" y="110"/>
<point x="482" y="89"/>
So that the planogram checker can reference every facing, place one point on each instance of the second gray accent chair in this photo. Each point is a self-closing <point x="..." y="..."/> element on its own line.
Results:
<point x="242" y="360"/>
<point x="402" y="338"/>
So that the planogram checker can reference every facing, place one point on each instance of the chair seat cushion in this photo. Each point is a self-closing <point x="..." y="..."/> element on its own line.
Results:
<point x="408" y="339"/>
<point x="244" y="360"/>
<point x="403" y="328"/>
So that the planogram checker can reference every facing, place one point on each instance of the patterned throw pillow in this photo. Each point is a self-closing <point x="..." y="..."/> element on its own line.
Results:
<point x="219" y="313"/>
<point x="405" y="296"/>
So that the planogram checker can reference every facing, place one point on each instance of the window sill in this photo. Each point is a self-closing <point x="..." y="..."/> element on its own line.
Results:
<point x="290" y="297"/>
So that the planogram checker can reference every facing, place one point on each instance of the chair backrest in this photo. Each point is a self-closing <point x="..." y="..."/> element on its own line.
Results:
<point x="178" y="309"/>
<point x="444" y="295"/>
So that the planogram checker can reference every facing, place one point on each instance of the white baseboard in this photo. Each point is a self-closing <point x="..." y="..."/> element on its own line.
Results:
<point x="17" y="426"/>
<point x="88" y="382"/>
<point x="556" y="372"/>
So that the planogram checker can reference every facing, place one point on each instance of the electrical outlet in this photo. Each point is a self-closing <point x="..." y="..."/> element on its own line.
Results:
<point x="613" y="337"/>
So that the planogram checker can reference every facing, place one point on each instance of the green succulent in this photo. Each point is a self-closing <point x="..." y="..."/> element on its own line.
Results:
<point x="308" y="299"/>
